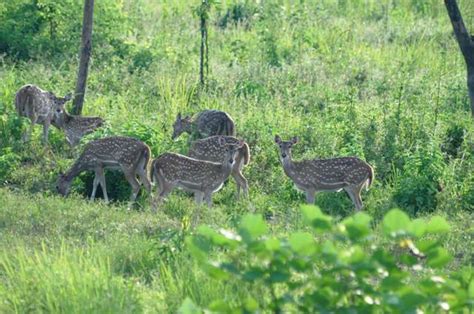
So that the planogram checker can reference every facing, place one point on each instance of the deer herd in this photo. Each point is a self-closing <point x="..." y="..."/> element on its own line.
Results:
<point x="214" y="155"/>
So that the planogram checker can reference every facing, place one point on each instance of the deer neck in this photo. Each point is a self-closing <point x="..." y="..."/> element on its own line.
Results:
<point x="75" y="170"/>
<point x="226" y="168"/>
<point x="191" y="128"/>
<point x="288" y="165"/>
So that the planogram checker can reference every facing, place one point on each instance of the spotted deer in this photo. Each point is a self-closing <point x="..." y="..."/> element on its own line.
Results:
<point x="335" y="174"/>
<point x="116" y="152"/>
<point x="207" y="123"/>
<point x="39" y="106"/>
<point x="201" y="177"/>
<point x="76" y="127"/>
<point x="211" y="149"/>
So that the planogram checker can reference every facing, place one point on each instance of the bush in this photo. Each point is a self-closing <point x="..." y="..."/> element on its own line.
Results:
<point x="33" y="28"/>
<point x="417" y="187"/>
<point x="342" y="271"/>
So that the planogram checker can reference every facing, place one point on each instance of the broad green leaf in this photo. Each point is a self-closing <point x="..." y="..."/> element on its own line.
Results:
<point x="316" y="218"/>
<point x="220" y="306"/>
<point x="251" y="227"/>
<point x="221" y="238"/>
<point x="214" y="270"/>
<point x="253" y="274"/>
<point x="272" y="244"/>
<point x="251" y="305"/>
<point x="302" y="243"/>
<point x="395" y="222"/>
<point x="417" y="227"/>
<point x="188" y="307"/>
<point x="438" y="258"/>
<point x="357" y="227"/>
<point x="279" y="276"/>
<point x="437" y="225"/>
<point x="198" y="246"/>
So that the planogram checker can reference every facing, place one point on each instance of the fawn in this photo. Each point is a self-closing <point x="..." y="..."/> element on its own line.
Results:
<point x="335" y="174"/>
<point x="39" y="106"/>
<point x="207" y="123"/>
<point x="210" y="149"/>
<point x="76" y="127"/>
<point x="198" y="176"/>
<point x="115" y="152"/>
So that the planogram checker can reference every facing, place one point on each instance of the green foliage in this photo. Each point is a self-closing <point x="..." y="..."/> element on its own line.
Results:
<point x="33" y="28"/>
<point x="383" y="80"/>
<point x="341" y="271"/>
<point x="417" y="187"/>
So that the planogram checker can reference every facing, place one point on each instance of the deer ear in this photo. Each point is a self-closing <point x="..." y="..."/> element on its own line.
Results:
<point x="187" y="118"/>
<point x="178" y="117"/>
<point x="277" y="139"/>
<point x="295" y="139"/>
<point x="68" y="97"/>
<point x="221" y="141"/>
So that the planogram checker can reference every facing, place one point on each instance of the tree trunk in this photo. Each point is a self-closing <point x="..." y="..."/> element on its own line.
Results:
<point x="470" y="87"/>
<point x="466" y="45"/>
<point x="85" y="54"/>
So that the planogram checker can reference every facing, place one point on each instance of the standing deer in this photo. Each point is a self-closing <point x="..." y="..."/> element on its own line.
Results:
<point x="335" y="174"/>
<point x="115" y="152"/>
<point x="211" y="149"/>
<point x="198" y="176"/>
<point x="207" y="123"/>
<point x="76" y="127"/>
<point x="39" y="106"/>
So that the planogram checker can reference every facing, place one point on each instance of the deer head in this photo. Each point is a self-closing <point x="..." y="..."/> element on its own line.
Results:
<point x="63" y="184"/>
<point x="285" y="147"/>
<point x="181" y="125"/>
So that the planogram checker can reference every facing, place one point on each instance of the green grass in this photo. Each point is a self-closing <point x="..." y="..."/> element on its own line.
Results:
<point x="383" y="80"/>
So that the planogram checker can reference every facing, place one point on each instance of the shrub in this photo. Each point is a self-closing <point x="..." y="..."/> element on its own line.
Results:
<point x="342" y="271"/>
<point x="416" y="189"/>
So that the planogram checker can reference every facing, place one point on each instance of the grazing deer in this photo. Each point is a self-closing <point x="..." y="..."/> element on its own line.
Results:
<point x="211" y="149"/>
<point x="39" y="106"/>
<point x="76" y="127"/>
<point x="198" y="176"/>
<point x="125" y="153"/>
<point x="207" y="123"/>
<point x="315" y="175"/>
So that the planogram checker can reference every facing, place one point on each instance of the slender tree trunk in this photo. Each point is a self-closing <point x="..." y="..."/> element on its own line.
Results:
<point x="85" y="54"/>
<point x="466" y="44"/>
<point x="203" y="65"/>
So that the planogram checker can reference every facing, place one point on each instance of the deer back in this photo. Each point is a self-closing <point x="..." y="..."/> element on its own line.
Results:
<point x="214" y="122"/>
<point x="211" y="149"/>
<point x="334" y="172"/>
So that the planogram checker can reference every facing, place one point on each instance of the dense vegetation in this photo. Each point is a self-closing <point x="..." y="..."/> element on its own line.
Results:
<point x="382" y="80"/>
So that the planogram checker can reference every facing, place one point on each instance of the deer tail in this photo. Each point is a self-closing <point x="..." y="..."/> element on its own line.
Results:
<point x="152" y="171"/>
<point x="246" y="151"/>
<point x="370" y="179"/>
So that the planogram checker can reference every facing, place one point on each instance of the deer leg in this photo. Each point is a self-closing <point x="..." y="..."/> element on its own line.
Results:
<point x="94" y="186"/>
<point x="198" y="197"/>
<point x="103" y="185"/>
<point x="357" y="195"/>
<point x="29" y="132"/>
<point x="241" y="182"/>
<point x="310" y="196"/>
<point x="46" y="124"/>
<point x="132" y="180"/>
<point x="352" y="194"/>
<point x="163" y="190"/>
<point x="208" y="198"/>
<point x="144" y="179"/>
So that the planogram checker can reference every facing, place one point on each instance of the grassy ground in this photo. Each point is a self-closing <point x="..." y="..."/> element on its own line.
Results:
<point x="383" y="80"/>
